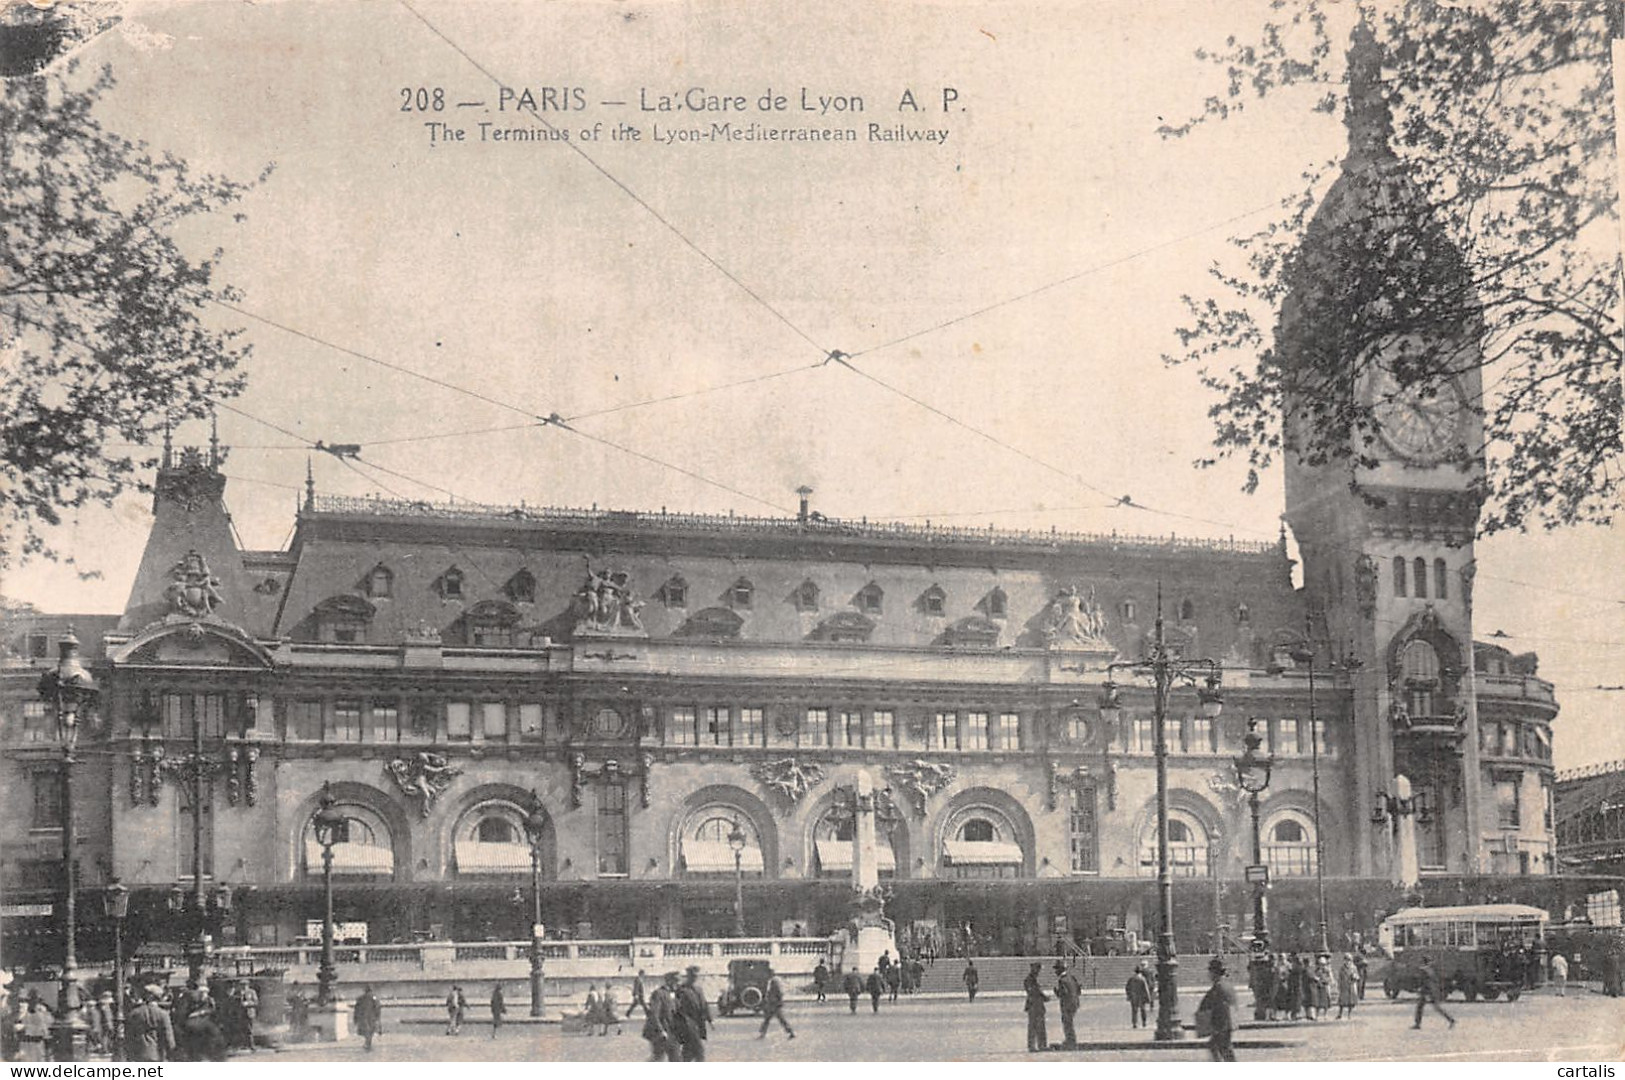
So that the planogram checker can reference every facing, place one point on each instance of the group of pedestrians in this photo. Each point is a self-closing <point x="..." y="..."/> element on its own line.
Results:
<point x="678" y="1019"/>
<point x="1068" y="995"/>
<point x="190" y="1024"/>
<point x="1293" y="986"/>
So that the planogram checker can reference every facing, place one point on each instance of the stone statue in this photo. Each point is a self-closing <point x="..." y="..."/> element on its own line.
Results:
<point x="423" y="777"/>
<point x="1076" y="621"/>
<point x="606" y="604"/>
<point x="193" y="591"/>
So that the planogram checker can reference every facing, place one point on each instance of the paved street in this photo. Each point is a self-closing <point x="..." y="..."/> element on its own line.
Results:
<point x="1538" y="1027"/>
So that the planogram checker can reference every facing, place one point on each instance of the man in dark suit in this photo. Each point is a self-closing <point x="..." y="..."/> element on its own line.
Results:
<point x="148" y="1034"/>
<point x="1216" y="1015"/>
<point x="693" y="1016"/>
<point x="1068" y="995"/>
<point x="1037" y="1033"/>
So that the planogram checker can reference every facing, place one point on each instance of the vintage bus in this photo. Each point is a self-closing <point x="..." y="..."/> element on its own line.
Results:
<point x="1482" y="950"/>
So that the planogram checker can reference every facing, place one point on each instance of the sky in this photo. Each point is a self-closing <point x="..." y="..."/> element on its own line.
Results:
<point x="1023" y="275"/>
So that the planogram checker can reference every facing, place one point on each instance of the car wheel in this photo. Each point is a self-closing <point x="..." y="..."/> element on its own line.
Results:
<point x="1391" y="989"/>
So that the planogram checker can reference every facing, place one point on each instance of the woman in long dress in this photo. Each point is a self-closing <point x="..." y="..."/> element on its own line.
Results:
<point x="1348" y="984"/>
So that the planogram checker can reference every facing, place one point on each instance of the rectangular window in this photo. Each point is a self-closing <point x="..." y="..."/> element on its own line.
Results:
<point x="1509" y="739"/>
<point x="1286" y="737"/>
<point x="1084" y="831"/>
<point x="882" y="729"/>
<point x="494" y="719"/>
<point x="212" y="712"/>
<point x="750" y="728"/>
<point x="38" y="724"/>
<point x="1546" y="804"/>
<point x="947" y="731"/>
<point x="1508" y="812"/>
<point x="386" y="722"/>
<point x="682" y="731"/>
<point x="1202" y="735"/>
<point x="304" y="720"/>
<point x="47" y="800"/>
<point x="530" y="721"/>
<point x="178" y="720"/>
<point x="1009" y="731"/>
<point x="1321" y="747"/>
<point x="815" y="727"/>
<point x="459" y="720"/>
<point x="612" y="830"/>
<point x="716" y="731"/>
<point x="346" y="722"/>
<point x="1174" y="732"/>
<point x="851" y="728"/>
<point x="39" y="646"/>
<point x="1145" y="734"/>
<point x="975" y="731"/>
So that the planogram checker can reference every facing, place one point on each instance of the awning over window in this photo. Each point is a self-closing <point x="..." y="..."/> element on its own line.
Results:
<point x="351" y="859"/>
<point x="982" y="853"/>
<point x="474" y="857"/>
<point x="835" y="856"/>
<point x="716" y="857"/>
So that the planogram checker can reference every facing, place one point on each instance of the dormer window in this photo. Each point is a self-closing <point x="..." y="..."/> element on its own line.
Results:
<point x="742" y="594"/>
<point x="871" y="598"/>
<point x="1243" y="615"/>
<point x="806" y="597"/>
<point x="998" y="604"/>
<point x="934" y="600"/>
<point x="450" y="585"/>
<point x="343" y="620"/>
<point x="1127" y="610"/>
<point x="1187" y="610"/>
<point x="491" y="624"/>
<point x="674" y="593"/>
<point x="521" y="588"/>
<point x="380" y="583"/>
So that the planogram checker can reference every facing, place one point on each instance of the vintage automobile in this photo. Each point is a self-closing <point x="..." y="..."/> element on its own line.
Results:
<point x="747" y="987"/>
<point x="1482" y="950"/>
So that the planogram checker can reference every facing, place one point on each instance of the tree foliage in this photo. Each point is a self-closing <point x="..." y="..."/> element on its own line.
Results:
<point x="103" y="331"/>
<point x="1494" y="219"/>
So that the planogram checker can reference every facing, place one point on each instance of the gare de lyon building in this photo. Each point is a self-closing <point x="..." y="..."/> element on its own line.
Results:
<point x="658" y="683"/>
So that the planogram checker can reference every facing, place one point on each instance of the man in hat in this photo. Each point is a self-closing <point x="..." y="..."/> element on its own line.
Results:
<point x="660" y="1021"/>
<point x="693" y="1016"/>
<point x="1068" y="994"/>
<point x="1138" y="990"/>
<point x="148" y="1034"/>
<point x="1428" y="994"/>
<point x="368" y="1015"/>
<point x="1037" y="1034"/>
<point x="972" y="978"/>
<point x="1215" y="1016"/>
<point x="773" y="1005"/>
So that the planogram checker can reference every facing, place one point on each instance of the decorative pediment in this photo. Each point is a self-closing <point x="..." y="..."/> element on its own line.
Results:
<point x="493" y="612"/>
<point x="177" y="641"/>
<point x="345" y="606"/>
<point x="975" y="631"/>
<point x="711" y="622"/>
<point x="848" y="626"/>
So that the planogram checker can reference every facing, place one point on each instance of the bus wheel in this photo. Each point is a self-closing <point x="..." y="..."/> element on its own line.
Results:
<point x="1513" y="992"/>
<point x="1391" y="989"/>
<point x="1470" y="991"/>
<point x="1491" y="994"/>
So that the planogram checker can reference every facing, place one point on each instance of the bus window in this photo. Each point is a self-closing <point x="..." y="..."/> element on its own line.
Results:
<point x="1462" y="935"/>
<point x="1486" y="934"/>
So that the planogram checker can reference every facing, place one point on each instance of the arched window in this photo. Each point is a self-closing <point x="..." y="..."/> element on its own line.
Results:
<point x="1420" y="575"/>
<point x="978" y="831"/>
<point x="1289" y="844"/>
<point x="934" y="600"/>
<point x="1128" y="610"/>
<point x="807" y="596"/>
<point x="490" y="839"/>
<point x="362" y="848"/>
<point x="343" y="619"/>
<point x="832" y="841"/>
<point x="674" y="593"/>
<point x="380" y="582"/>
<point x="1419" y="667"/>
<point x="980" y="841"/>
<point x="871" y="598"/>
<point x="703" y="842"/>
<point x="495" y="830"/>
<point x="450" y="584"/>
<point x="1187" y="846"/>
<point x="742" y="594"/>
<point x="1399" y="575"/>
<point x="521" y="588"/>
<point x="1440" y="590"/>
<point x="1187" y="610"/>
<point x="997" y="604"/>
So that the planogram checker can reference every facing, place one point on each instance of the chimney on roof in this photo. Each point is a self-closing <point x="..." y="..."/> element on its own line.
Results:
<point x="804" y="491"/>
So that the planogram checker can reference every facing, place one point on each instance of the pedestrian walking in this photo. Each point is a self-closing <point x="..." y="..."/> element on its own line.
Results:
<point x="368" y="1014"/>
<point x="877" y="986"/>
<point x="1348" y="982"/>
<point x="1560" y="973"/>
<point x="1322" y="981"/>
<point x="894" y="980"/>
<point x="609" y="1011"/>
<point x="1138" y="991"/>
<point x="35" y="1033"/>
<point x="148" y="1033"/>
<point x="1068" y="996"/>
<point x="1215" y="1016"/>
<point x="660" y="1021"/>
<point x="1611" y="966"/>
<point x="638" y="1001"/>
<point x="1360" y="966"/>
<point x="693" y="1016"/>
<point x="853" y="985"/>
<point x="773" y="1005"/>
<point x="972" y="979"/>
<point x="590" y="1009"/>
<point x="1428" y="994"/>
<point x="1037" y="1036"/>
<point x="499" y="1009"/>
<point x="820" y="980"/>
<point x="456" y="1007"/>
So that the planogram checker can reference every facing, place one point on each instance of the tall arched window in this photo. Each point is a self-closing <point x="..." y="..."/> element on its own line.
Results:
<point x="1440" y="590"/>
<point x="490" y="839"/>
<point x="380" y="582"/>
<point x="980" y="841"/>
<point x="1419" y="668"/>
<point x="703" y="843"/>
<point x="363" y="847"/>
<point x="1399" y="575"/>
<point x="832" y="840"/>
<point x="1419" y="571"/>
<point x="1187" y="610"/>
<point x="1187" y="846"/>
<point x="1289" y="844"/>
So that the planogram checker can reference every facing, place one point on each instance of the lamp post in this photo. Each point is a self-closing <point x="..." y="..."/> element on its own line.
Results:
<point x="535" y="830"/>
<point x="195" y="774"/>
<point x="329" y="825"/>
<point x="736" y="841"/>
<point x="1165" y="671"/>
<point x="1253" y="775"/>
<point x="71" y="691"/>
<point x="1306" y="655"/>
<point x="116" y="906"/>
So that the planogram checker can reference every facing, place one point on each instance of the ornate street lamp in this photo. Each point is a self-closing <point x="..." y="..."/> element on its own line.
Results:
<point x="116" y="906"/>
<point x="736" y="841"/>
<point x="1306" y="655"/>
<point x="1253" y="776"/>
<point x="1165" y="672"/>
<point x="195" y="774"/>
<point x="70" y="690"/>
<point x="535" y="831"/>
<point x="329" y="826"/>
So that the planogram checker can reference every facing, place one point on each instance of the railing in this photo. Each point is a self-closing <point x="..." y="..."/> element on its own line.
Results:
<point x="1583" y="772"/>
<point x="428" y="953"/>
<point x="1523" y="687"/>
<point x="595" y="518"/>
<point x="481" y="952"/>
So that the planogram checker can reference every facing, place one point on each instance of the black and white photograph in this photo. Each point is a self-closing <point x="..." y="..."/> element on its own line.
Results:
<point x="610" y="531"/>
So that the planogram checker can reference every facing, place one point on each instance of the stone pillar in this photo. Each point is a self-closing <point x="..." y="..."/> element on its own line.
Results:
<point x="1406" y="869"/>
<point x="330" y="1022"/>
<point x="874" y="929"/>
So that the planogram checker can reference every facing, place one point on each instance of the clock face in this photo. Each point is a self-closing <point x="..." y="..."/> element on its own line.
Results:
<point x="1419" y="422"/>
<point x="608" y="724"/>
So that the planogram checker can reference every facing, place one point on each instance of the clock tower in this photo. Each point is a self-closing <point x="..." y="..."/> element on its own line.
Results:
<point x="1377" y="348"/>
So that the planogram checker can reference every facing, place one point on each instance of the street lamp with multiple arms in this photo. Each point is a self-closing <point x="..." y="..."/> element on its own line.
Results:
<point x="72" y="693"/>
<point x="535" y="832"/>
<point x="329" y="825"/>
<point x="1165" y="672"/>
<point x="1253" y="775"/>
